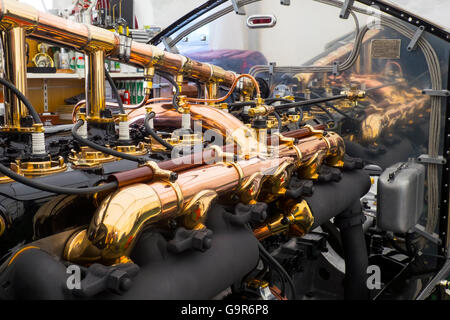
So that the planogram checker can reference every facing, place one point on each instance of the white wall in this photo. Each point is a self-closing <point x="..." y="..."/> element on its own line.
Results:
<point x="161" y="13"/>
<point x="302" y="29"/>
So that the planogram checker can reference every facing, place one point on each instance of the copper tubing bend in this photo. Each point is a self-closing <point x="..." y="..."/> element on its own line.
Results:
<point x="87" y="38"/>
<point x="123" y="214"/>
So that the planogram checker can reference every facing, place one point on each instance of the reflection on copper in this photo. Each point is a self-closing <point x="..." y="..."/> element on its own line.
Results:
<point x="46" y="27"/>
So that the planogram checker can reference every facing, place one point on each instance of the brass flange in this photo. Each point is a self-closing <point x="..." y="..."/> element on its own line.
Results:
<point x="88" y="158"/>
<point x="39" y="168"/>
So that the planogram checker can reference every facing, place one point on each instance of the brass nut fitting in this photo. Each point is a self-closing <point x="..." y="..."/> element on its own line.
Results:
<point x="38" y="127"/>
<point x="262" y="110"/>
<point x="123" y="117"/>
<point x="161" y="173"/>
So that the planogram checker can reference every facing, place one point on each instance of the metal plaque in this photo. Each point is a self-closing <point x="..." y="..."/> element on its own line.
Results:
<point x="385" y="48"/>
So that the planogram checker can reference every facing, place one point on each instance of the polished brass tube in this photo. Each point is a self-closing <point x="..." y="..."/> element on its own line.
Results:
<point x="16" y="70"/>
<point x="96" y="84"/>
<point x="121" y="217"/>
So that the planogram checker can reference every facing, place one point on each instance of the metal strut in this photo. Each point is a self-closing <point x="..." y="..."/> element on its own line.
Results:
<point x="345" y="11"/>
<point x="237" y="8"/>
<point x="413" y="43"/>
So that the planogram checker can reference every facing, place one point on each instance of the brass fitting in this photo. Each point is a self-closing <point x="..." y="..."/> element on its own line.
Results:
<point x="300" y="219"/>
<point x="149" y="73"/>
<point x="223" y="106"/>
<point x="158" y="173"/>
<point x="38" y="127"/>
<point x="194" y="213"/>
<point x="261" y="110"/>
<point x="179" y="80"/>
<point x="297" y="221"/>
<point x="81" y="116"/>
<point x="123" y="117"/>
<point x="354" y="93"/>
<point x="183" y="105"/>
<point x="275" y="185"/>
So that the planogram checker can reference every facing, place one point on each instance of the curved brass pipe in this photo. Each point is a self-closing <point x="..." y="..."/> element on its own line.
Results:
<point x="231" y="128"/>
<point x="123" y="215"/>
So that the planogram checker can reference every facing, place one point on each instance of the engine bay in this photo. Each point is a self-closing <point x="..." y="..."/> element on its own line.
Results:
<point x="236" y="177"/>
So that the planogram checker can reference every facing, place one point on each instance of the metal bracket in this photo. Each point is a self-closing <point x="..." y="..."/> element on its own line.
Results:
<point x="335" y="68"/>
<point x="166" y="42"/>
<point x="237" y="8"/>
<point x="124" y="47"/>
<point x="413" y="43"/>
<point x="433" y="237"/>
<point x="285" y="2"/>
<point x="128" y="49"/>
<point x="272" y="66"/>
<point x="427" y="159"/>
<point x="345" y="11"/>
<point x="438" y="93"/>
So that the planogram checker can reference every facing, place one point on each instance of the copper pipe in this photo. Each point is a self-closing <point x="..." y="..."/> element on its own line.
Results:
<point x="16" y="70"/>
<point x="49" y="28"/>
<point x="255" y="84"/>
<point x="303" y="132"/>
<point x="123" y="215"/>
<point x="189" y="162"/>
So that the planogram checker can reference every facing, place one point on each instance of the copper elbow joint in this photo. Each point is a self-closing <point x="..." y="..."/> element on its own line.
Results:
<point x="116" y="225"/>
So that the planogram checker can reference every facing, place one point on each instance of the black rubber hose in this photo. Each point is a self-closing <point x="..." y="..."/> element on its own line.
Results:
<point x="273" y="100"/>
<point x="101" y="148"/>
<point x="270" y="274"/>
<point x="329" y="115"/>
<point x="169" y="78"/>
<point x="301" y="115"/>
<point x="329" y="105"/>
<point x="355" y="253"/>
<point x="270" y="101"/>
<point x="280" y="123"/>
<point x="331" y="198"/>
<point x="115" y="91"/>
<point x="54" y="189"/>
<point x="152" y="132"/>
<point x="22" y="98"/>
<point x="309" y="102"/>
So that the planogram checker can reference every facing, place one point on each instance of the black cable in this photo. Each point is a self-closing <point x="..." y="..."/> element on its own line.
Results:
<point x="329" y="105"/>
<point x="278" y="274"/>
<point x="301" y="116"/>
<point x="54" y="189"/>
<point x="100" y="148"/>
<point x="152" y="132"/>
<point x="270" y="101"/>
<point x="241" y="104"/>
<point x="330" y="116"/>
<point x="169" y="78"/>
<point x="280" y="123"/>
<point x="309" y="102"/>
<point x="115" y="91"/>
<point x="279" y="267"/>
<point x="22" y="98"/>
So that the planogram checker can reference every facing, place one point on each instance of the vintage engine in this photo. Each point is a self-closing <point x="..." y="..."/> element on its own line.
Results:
<point x="226" y="195"/>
